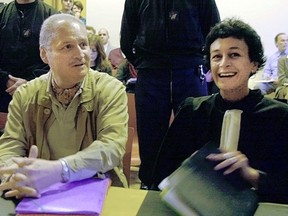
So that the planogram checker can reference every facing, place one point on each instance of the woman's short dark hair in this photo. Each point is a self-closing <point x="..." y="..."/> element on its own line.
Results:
<point x="233" y="27"/>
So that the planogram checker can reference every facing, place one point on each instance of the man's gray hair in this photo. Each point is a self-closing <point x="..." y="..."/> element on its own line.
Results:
<point x="51" y="26"/>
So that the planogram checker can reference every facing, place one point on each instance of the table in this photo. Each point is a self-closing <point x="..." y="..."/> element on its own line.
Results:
<point x="119" y="201"/>
<point x="123" y="201"/>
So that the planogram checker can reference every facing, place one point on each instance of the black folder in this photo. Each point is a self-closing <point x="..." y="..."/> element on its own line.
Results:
<point x="195" y="188"/>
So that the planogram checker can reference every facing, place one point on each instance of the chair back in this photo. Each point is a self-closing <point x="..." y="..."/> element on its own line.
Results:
<point x="127" y="155"/>
<point x="3" y="119"/>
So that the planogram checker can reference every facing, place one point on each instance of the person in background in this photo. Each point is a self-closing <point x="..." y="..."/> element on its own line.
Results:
<point x="20" y="23"/>
<point x="165" y="46"/>
<point x="90" y="30"/>
<point x="281" y="93"/>
<point x="67" y="7"/>
<point x="235" y="52"/>
<point x="67" y="125"/>
<point x="270" y="71"/>
<point x="104" y="34"/>
<point x="116" y="57"/>
<point x="77" y="10"/>
<point x="98" y="59"/>
<point x="127" y="74"/>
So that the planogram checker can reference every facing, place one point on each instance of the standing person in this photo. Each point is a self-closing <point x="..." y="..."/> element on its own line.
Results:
<point x="163" y="40"/>
<point x="235" y="52"/>
<point x="270" y="71"/>
<point x="76" y="118"/>
<point x="77" y="10"/>
<point x="20" y="23"/>
<point x="67" y="6"/>
<point x="104" y="34"/>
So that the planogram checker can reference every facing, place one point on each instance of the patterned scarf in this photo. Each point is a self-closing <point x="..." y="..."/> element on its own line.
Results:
<point x="65" y="96"/>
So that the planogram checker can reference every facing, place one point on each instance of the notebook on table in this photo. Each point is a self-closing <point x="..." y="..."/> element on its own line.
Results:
<point x="85" y="197"/>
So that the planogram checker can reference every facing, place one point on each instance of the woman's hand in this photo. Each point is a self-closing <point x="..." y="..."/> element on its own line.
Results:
<point x="231" y="161"/>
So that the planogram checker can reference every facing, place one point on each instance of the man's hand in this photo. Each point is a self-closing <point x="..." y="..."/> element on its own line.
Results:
<point x="29" y="176"/>
<point x="13" y="83"/>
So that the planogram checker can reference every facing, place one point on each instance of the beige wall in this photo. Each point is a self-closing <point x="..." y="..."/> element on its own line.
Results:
<point x="108" y="14"/>
<point x="5" y="1"/>
<point x="266" y="16"/>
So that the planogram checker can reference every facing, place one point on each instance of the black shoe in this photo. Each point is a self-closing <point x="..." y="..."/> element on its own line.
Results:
<point x="143" y="186"/>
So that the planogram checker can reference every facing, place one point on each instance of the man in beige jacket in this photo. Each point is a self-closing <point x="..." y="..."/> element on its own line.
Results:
<point x="73" y="119"/>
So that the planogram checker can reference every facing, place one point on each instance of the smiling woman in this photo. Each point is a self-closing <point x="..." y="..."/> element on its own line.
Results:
<point x="232" y="57"/>
<point x="234" y="50"/>
<point x="231" y="67"/>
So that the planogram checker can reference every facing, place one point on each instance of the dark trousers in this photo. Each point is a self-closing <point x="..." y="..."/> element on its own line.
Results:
<point x="157" y="94"/>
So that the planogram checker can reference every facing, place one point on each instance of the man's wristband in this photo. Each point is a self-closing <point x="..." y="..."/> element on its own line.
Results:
<point x="65" y="171"/>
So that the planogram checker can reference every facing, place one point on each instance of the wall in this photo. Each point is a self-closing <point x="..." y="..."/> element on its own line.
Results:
<point x="107" y="14"/>
<point x="266" y="16"/>
<point x="5" y="1"/>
